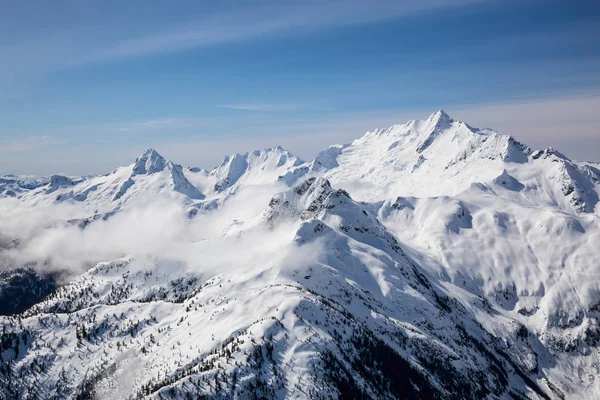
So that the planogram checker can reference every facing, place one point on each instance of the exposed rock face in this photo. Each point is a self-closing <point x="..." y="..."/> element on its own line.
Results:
<point x="150" y="162"/>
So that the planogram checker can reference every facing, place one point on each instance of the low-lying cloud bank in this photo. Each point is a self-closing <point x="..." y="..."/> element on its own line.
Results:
<point x="42" y="236"/>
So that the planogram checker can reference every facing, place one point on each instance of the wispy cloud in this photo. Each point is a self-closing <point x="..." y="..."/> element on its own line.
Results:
<point x="87" y="41"/>
<point x="265" y="107"/>
<point x="254" y="20"/>
<point x="160" y="124"/>
<point x="28" y="144"/>
<point x="568" y="123"/>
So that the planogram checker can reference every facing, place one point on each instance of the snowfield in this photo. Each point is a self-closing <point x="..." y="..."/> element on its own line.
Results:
<point x="427" y="260"/>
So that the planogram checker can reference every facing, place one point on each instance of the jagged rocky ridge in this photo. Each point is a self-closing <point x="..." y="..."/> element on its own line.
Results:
<point x="427" y="260"/>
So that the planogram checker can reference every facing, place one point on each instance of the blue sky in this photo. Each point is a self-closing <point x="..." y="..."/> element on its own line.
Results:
<point x="86" y="86"/>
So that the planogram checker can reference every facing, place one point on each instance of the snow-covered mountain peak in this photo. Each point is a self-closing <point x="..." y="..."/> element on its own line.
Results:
<point x="418" y="135"/>
<point x="447" y="153"/>
<point x="550" y="152"/>
<point x="441" y="114"/>
<point x="440" y="119"/>
<point x="257" y="167"/>
<point x="319" y="208"/>
<point x="436" y="122"/>
<point x="181" y="184"/>
<point x="278" y="153"/>
<point x="149" y="162"/>
<point x="58" y="181"/>
<point x="435" y="125"/>
<point x="307" y="200"/>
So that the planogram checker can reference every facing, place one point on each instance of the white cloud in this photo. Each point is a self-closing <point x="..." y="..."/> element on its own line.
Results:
<point x="86" y="41"/>
<point x="266" y="18"/>
<point x="28" y="144"/>
<point x="155" y="228"/>
<point x="265" y="107"/>
<point x="160" y="124"/>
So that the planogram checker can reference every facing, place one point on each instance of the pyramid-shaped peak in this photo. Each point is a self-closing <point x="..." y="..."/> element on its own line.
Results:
<point x="437" y="122"/>
<point x="150" y="153"/>
<point x="149" y="162"/>
<point x="552" y="151"/>
<point x="440" y="115"/>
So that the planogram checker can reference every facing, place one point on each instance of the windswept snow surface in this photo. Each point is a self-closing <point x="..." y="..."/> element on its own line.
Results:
<point x="430" y="259"/>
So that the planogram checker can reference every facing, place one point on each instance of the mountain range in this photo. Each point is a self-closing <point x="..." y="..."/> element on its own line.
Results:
<point x="427" y="260"/>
